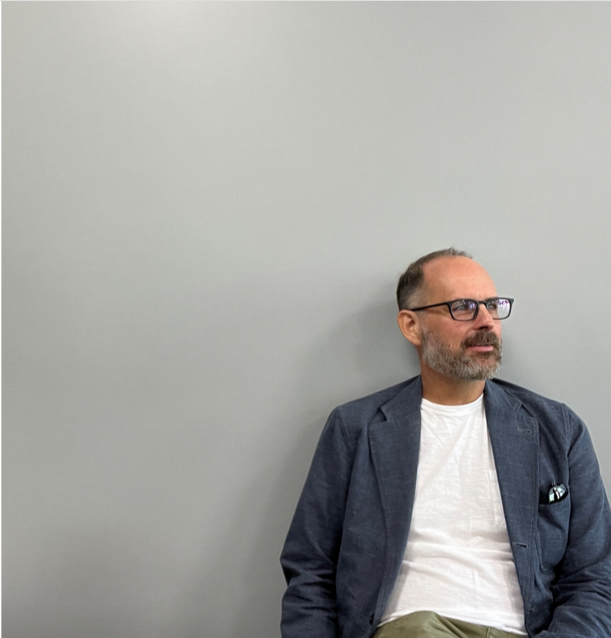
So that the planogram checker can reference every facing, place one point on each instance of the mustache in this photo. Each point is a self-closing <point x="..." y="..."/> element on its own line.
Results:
<point x="483" y="339"/>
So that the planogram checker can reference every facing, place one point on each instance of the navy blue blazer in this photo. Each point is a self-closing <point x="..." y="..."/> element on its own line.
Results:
<point x="348" y="536"/>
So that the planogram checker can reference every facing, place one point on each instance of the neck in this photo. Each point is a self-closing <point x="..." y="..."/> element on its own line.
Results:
<point x="446" y="391"/>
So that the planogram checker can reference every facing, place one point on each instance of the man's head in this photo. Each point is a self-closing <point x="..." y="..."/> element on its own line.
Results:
<point x="457" y="350"/>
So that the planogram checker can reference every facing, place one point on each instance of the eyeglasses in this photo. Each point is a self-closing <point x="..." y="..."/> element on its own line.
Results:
<point x="467" y="309"/>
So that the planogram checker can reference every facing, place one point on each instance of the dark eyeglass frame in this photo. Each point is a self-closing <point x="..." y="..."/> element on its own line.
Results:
<point x="475" y="312"/>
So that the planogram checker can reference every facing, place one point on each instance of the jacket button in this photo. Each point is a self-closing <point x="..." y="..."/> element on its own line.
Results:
<point x="371" y="619"/>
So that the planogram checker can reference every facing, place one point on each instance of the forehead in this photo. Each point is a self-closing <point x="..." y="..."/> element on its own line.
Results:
<point x="456" y="277"/>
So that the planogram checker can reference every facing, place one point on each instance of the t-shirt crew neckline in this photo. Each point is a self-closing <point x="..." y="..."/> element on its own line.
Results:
<point x="453" y="410"/>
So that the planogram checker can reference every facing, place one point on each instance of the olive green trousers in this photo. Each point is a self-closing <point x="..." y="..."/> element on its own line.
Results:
<point x="427" y="624"/>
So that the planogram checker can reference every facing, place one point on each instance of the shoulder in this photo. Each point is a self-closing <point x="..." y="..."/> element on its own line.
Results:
<point x="360" y="412"/>
<point x="548" y="412"/>
<point x="525" y="396"/>
<point x="369" y="405"/>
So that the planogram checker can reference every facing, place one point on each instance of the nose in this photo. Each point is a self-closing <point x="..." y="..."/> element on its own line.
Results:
<point x="484" y="320"/>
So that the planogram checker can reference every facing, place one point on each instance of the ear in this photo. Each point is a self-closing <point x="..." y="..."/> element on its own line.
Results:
<point x="409" y="324"/>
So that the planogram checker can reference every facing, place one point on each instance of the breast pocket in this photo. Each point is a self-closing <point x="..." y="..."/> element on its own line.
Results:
<point x="553" y="532"/>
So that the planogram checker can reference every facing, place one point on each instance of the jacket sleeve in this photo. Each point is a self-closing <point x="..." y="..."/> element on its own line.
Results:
<point x="582" y="585"/>
<point x="310" y="554"/>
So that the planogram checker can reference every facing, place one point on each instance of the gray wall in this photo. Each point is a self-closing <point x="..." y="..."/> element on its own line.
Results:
<point x="206" y="207"/>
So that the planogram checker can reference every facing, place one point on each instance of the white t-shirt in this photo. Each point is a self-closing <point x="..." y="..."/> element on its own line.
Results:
<point x="458" y="560"/>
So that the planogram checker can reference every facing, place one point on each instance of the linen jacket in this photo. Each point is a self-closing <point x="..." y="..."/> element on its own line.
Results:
<point x="349" y="532"/>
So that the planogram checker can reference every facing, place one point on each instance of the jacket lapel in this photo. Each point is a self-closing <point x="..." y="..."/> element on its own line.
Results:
<point x="395" y="444"/>
<point x="514" y="439"/>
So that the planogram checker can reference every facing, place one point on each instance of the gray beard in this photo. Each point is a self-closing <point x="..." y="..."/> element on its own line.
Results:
<point x="455" y="364"/>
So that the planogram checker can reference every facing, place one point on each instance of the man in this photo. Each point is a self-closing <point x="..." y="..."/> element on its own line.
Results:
<point x="451" y="504"/>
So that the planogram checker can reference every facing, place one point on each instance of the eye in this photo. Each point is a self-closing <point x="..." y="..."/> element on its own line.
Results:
<point x="463" y="305"/>
<point x="492" y="304"/>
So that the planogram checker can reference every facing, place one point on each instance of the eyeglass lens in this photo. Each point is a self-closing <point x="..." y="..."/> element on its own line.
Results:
<point x="466" y="309"/>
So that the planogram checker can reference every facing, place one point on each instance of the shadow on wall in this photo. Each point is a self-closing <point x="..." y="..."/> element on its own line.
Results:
<point x="364" y="354"/>
<point x="107" y="581"/>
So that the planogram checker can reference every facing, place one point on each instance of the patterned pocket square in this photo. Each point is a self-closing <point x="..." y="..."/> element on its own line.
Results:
<point x="557" y="493"/>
